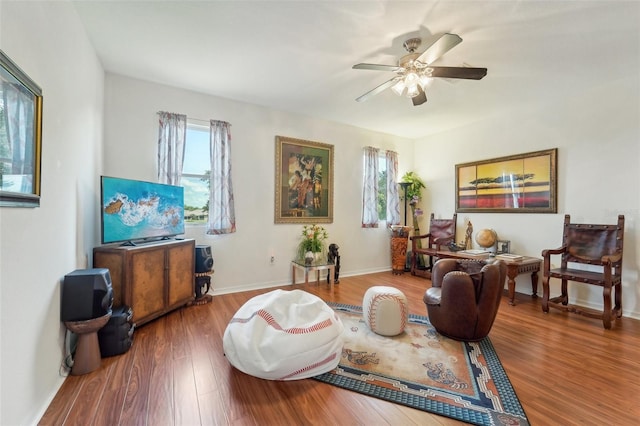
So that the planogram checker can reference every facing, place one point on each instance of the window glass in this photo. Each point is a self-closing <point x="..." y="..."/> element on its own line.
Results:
<point x="195" y="174"/>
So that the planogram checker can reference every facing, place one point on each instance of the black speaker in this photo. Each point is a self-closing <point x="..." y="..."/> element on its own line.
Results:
<point x="116" y="337"/>
<point x="86" y="294"/>
<point x="204" y="259"/>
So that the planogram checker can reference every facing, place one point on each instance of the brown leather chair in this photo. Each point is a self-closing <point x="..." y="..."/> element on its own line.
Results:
<point x="600" y="247"/>
<point x="465" y="296"/>
<point x="442" y="232"/>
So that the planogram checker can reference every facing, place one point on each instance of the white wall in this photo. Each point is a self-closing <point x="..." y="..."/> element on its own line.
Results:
<point x="597" y="133"/>
<point x="242" y="259"/>
<point x="38" y="246"/>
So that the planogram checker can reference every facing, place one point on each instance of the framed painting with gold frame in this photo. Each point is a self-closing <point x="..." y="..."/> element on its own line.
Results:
<point x="523" y="183"/>
<point x="304" y="181"/>
<point x="20" y="136"/>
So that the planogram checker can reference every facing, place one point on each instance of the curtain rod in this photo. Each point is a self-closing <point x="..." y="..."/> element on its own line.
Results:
<point x="197" y="119"/>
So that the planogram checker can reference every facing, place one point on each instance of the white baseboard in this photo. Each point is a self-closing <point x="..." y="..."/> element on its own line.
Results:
<point x="271" y="284"/>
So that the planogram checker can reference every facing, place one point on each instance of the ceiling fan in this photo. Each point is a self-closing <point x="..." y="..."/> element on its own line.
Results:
<point x="414" y="71"/>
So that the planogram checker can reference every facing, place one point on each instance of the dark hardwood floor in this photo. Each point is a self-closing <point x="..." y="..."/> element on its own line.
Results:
<point x="565" y="368"/>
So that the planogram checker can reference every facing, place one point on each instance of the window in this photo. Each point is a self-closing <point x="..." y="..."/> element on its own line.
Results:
<point x="382" y="187"/>
<point x="195" y="174"/>
<point x="380" y="202"/>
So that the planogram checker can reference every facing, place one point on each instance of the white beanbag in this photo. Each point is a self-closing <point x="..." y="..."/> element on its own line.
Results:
<point x="284" y="335"/>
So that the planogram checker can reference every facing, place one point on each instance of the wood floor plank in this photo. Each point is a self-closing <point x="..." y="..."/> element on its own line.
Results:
<point x="185" y="395"/>
<point x="135" y="407"/>
<point x="161" y="381"/>
<point x="110" y="406"/>
<point x="199" y="338"/>
<point x="565" y="369"/>
<point x="212" y="409"/>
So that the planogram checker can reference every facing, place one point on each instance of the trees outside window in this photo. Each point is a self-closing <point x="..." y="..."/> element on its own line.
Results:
<point x="382" y="188"/>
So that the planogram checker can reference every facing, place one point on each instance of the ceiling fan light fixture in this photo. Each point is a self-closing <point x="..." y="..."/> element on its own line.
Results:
<point x="411" y="79"/>
<point x="412" y="91"/>
<point x="425" y="81"/>
<point x="399" y="87"/>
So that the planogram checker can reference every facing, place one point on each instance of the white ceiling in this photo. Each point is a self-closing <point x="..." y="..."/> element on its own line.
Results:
<point x="297" y="55"/>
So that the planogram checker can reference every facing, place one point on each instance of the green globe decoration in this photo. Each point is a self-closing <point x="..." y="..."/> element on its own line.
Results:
<point x="486" y="238"/>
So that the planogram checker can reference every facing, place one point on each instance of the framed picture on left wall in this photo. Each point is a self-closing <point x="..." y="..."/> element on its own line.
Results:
<point x="304" y="181"/>
<point x="20" y="136"/>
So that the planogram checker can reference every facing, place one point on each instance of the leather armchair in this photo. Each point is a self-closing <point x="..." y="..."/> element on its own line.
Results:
<point x="593" y="246"/>
<point x="442" y="232"/>
<point x="465" y="296"/>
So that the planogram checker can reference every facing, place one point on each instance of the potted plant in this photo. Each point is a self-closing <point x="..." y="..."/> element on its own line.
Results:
<point x="413" y="194"/>
<point x="312" y="246"/>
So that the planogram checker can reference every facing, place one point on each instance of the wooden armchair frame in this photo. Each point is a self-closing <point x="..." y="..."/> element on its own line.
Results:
<point x="598" y="245"/>
<point x="442" y="232"/>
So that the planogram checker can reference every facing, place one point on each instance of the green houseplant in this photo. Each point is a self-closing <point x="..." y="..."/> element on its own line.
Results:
<point x="413" y="194"/>
<point x="313" y="240"/>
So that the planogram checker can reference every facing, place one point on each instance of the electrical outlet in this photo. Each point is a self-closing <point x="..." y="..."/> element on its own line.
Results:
<point x="273" y="259"/>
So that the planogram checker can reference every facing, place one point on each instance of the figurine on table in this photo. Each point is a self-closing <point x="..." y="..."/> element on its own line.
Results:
<point x="334" y="257"/>
<point x="468" y="244"/>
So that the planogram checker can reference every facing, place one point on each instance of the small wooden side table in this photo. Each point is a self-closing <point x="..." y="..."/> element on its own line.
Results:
<point x="313" y="266"/>
<point x="515" y="268"/>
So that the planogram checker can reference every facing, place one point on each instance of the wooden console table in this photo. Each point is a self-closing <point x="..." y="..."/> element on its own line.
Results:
<point x="514" y="268"/>
<point x="151" y="278"/>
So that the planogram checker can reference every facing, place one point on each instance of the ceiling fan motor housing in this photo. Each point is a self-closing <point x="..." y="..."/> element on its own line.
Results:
<point x="412" y="44"/>
<point x="408" y="61"/>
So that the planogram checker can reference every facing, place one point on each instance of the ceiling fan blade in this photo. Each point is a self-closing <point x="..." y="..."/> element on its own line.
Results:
<point x="376" y="67"/>
<point x="420" y="98"/>
<point x="439" y="48"/>
<point x="378" y="89"/>
<point x="458" y="72"/>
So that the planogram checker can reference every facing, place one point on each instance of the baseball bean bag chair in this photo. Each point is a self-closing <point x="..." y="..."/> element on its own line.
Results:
<point x="284" y="335"/>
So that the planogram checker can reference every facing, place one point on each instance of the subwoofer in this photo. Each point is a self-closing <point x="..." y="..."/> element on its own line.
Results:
<point x="116" y="337"/>
<point x="204" y="259"/>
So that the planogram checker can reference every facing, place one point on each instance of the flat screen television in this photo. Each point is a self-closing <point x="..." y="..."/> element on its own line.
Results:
<point x="137" y="211"/>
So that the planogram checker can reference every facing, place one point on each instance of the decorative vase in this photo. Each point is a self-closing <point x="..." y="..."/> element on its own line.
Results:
<point x="399" y="242"/>
<point x="309" y="257"/>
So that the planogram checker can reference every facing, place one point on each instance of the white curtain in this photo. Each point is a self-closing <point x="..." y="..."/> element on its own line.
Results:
<point x="370" y="188"/>
<point x="18" y="111"/>
<point x="222" y="216"/>
<point x="171" y="141"/>
<point x="393" y="199"/>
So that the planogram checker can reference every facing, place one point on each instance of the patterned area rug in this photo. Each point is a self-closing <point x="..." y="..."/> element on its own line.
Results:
<point x="424" y="370"/>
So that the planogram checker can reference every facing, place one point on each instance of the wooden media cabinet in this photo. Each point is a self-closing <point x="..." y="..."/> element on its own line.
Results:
<point x="151" y="278"/>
